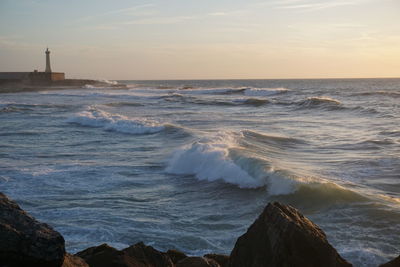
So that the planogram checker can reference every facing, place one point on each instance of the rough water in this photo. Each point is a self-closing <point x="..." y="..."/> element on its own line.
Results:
<point x="190" y="164"/>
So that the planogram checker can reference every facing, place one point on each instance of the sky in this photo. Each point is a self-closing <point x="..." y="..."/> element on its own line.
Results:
<point x="202" y="39"/>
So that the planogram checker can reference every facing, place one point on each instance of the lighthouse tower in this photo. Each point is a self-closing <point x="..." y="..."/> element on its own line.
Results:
<point x="48" y="68"/>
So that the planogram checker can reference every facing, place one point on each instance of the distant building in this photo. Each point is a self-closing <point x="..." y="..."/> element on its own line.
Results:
<point x="35" y="77"/>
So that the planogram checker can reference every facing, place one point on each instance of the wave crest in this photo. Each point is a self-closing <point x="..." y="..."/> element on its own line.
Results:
<point x="115" y="122"/>
<point x="320" y="101"/>
<point x="212" y="91"/>
<point x="265" y="91"/>
<point x="209" y="159"/>
<point x="222" y="158"/>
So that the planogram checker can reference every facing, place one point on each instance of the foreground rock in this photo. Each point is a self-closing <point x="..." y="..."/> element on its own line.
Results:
<point x="73" y="261"/>
<point x="393" y="263"/>
<point x="281" y="236"/>
<point x="148" y="256"/>
<point x="25" y="241"/>
<point x="197" y="262"/>
<point x="221" y="259"/>
<point x="176" y="255"/>
<point x="138" y="255"/>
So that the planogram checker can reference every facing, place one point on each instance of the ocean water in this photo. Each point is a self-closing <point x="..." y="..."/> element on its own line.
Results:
<point x="189" y="165"/>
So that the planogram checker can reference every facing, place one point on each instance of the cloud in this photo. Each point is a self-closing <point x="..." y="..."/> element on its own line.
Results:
<point x="139" y="10"/>
<point x="218" y="14"/>
<point x="129" y="10"/>
<point x="316" y="6"/>
<point x="307" y="5"/>
<point x="158" y="20"/>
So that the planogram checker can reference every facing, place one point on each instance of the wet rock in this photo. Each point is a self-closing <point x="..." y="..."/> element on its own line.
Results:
<point x="393" y="263"/>
<point x="26" y="242"/>
<point x="138" y="255"/>
<point x="176" y="255"/>
<point x="104" y="256"/>
<point x="148" y="256"/>
<point x="281" y="236"/>
<point x="73" y="261"/>
<point x="197" y="262"/>
<point x="221" y="259"/>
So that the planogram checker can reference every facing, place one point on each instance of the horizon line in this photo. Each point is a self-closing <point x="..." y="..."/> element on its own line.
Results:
<point x="244" y="79"/>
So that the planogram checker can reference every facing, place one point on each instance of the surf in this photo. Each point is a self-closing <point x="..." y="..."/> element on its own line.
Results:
<point x="94" y="117"/>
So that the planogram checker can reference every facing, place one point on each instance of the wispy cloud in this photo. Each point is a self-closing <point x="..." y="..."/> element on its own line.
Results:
<point x="139" y="10"/>
<point x="158" y="20"/>
<point x="317" y="6"/>
<point x="16" y="42"/>
<point x="218" y="14"/>
<point x="129" y="10"/>
<point x="310" y="5"/>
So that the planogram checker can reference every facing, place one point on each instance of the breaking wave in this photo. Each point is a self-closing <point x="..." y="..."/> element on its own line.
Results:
<point x="320" y="102"/>
<point x="265" y="91"/>
<point x="115" y="122"/>
<point x="209" y="159"/>
<point x="224" y="157"/>
<point x="108" y="81"/>
<point x="212" y="91"/>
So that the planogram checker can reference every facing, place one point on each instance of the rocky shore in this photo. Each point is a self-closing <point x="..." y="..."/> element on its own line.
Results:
<point x="280" y="236"/>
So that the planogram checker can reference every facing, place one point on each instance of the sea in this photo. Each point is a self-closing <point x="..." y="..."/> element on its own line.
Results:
<point x="190" y="164"/>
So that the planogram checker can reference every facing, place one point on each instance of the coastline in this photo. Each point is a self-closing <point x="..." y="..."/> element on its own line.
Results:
<point x="55" y="85"/>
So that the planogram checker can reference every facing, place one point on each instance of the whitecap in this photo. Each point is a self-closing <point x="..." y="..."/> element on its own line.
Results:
<point x="221" y="158"/>
<point x="211" y="91"/>
<point x="208" y="159"/>
<point x="115" y="122"/>
<point x="264" y="91"/>
<point x="108" y="81"/>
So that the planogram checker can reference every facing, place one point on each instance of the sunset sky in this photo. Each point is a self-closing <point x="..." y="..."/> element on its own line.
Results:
<point x="205" y="39"/>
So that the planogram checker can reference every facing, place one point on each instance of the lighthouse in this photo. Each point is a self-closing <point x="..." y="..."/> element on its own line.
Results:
<point x="48" y="68"/>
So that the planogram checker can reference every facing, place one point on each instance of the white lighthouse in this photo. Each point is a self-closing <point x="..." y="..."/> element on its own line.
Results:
<point x="48" y="68"/>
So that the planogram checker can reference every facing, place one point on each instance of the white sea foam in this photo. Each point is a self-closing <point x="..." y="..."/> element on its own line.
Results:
<point x="208" y="159"/>
<point x="210" y="91"/>
<point x="322" y="100"/>
<point x="115" y="122"/>
<point x="264" y="91"/>
<point x="108" y="81"/>
<point x="219" y="158"/>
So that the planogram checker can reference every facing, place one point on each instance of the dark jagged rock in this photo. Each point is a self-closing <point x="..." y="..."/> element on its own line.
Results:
<point x="148" y="256"/>
<point x="138" y="255"/>
<point x="393" y="263"/>
<point x="104" y="256"/>
<point x="176" y="255"/>
<point x="197" y="262"/>
<point x="281" y="236"/>
<point x="73" y="261"/>
<point x="25" y="241"/>
<point x="221" y="259"/>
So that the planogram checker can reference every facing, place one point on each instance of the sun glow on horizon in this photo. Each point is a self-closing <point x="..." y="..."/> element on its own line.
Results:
<point x="203" y="40"/>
